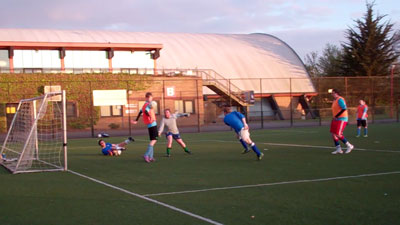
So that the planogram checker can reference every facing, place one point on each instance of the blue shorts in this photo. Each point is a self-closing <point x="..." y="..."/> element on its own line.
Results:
<point x="175" y="136"/>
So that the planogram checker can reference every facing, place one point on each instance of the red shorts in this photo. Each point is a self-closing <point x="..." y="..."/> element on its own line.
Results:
<point x="337" y="127"/>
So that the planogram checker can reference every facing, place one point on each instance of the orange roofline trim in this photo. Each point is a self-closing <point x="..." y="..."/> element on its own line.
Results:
<point x="79" y="45"/>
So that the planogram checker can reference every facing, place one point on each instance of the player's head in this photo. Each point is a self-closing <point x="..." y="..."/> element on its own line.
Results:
<point x="167" y="113"/>
<point x="335" y="92"/>
<point x="102" y="143"/>
<point x="149" y="96"/>
<point x="362" y="102"/>
<point x="227" y="109"/>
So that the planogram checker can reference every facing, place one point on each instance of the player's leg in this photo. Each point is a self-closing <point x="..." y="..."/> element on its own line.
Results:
<point x="342" y="126"/>
<point x="153" y="138"/>
<point x="337" y="145"/>
<point x="358" y="128"/>
<point x="335" y="131"/>
<point x="121" y="146"/>
<point x="179" y="140"/>
<point x="244" y="144"/>
<point x="245" y="135"/>
<point x="169" y="143"/>
<point x="365" y="125"/>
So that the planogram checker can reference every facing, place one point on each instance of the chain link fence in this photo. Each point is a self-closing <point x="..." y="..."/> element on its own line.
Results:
<point x="290" y="105"/>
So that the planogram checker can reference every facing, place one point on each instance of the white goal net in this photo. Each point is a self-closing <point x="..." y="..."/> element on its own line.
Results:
<point x="36" y="140"/>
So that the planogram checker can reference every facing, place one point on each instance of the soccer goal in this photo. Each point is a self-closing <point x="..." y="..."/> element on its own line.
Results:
<point x="37" y="139"/>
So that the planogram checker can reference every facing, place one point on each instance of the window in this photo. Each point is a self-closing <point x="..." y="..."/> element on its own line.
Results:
<point x="10" y="109"/>
<point x="36" y="59"/>
<point x="113" y="110"/>
<point x="4" y="60"/>
<point x="85" y="59"/>
<point x="184" y="106"/>
<point x="156" y="109"/>
<point x="71" y="109"/>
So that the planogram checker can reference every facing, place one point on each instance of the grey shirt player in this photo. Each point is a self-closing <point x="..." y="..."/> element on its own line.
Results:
<point x="169" y="120"/>
<point x="170" y="123"/>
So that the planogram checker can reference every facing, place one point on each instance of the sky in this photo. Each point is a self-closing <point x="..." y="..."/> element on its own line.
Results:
<point x="306" y="25"/>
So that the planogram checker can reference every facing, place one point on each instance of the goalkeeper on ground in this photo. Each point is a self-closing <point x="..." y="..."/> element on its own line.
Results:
<point x="169" y="121"/>
<point x="114" y="149"/>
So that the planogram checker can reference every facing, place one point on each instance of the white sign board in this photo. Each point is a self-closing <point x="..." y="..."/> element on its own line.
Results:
<point x="109" y="97"/>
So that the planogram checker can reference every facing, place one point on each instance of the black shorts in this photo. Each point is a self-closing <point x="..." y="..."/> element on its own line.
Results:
<point x="153" y="133"/>
<point x="361" y="123"/>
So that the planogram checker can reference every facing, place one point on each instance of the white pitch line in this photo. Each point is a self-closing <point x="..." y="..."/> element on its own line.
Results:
<point x="146" y="198"/>
<point x="273" y="184"/>
<point x="328" y="147"/>
<point x="304" y="146"/>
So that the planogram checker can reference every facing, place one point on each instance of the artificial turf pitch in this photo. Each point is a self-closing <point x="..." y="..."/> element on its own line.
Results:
<point x="291" y="185"/>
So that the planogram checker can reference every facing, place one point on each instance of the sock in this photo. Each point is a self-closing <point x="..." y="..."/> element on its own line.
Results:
<point x="168" y="150"/>
<point x="243" y="143"/>
<point x="359" y="131"/>
<point x="149" y="150"/>
<point x="186" y="149"/>
<point x="152" y="152"/>
<point x="365" y="131"/>
<point x="336" y="143"/>
<point x="343" y="139"/>
<point x="348" y="143"/>
<point x="255" y="149"/>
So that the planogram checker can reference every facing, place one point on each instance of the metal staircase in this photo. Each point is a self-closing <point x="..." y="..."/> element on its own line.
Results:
<point x="223" y="87"/>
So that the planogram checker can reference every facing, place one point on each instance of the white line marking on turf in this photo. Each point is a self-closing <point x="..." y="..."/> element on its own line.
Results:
<point x="146" y="198"/>
<point x="276" y="183"/>
<point x="305" y="146"/>
<point x="328" y="147"/>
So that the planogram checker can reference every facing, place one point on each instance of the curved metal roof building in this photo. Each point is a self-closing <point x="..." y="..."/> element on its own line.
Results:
<point x="233" y="56"/>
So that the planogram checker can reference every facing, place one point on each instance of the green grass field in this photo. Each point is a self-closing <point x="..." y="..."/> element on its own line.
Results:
<point x="291" y="185"/>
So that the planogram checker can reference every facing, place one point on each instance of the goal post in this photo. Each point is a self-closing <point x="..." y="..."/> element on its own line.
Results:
<point x="37" y="138"/>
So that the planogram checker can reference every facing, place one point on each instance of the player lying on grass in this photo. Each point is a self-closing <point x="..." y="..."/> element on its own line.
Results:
<point x="237" y="121"/>
<point x="169" y="121"/>
<point x="114" y="149"/>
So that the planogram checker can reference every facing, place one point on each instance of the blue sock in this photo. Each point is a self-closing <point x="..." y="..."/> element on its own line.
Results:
<point x="336" y="142"/>
<point x="243" y="143"/>
<point x="359" y="131"/>
<point x="365" y="131"/>
<point x="255" y="149"/>
<point x="152" y="152"/>
<point x="149" y="150"/>
<point x="344" y="140"/>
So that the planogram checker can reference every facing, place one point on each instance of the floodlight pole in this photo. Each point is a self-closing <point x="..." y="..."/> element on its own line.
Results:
<point x="391" y="90"/>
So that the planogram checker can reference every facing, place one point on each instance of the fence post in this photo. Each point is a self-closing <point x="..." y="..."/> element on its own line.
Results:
<point x="129" y="109"/>
<point x="373" y="100"/>
<point x="397" y="109"/>
<point x="291" y="103"/>
<point x="198" y="106"/>
<point x="261" y="104"/>
<point x="91" y="108"/>
<point x="319" y="100"/>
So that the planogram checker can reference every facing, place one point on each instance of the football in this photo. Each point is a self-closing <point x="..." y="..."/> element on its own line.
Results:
<point x="119" y="152"/>
<point x="153" y="104"/>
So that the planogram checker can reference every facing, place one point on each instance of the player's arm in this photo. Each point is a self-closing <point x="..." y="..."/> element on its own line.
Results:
<point x="246" y="126"/>
<point x="177" y="115"/>
<point x="161" y="129"/>
<point x="137" y="118"/>
<point x="364" y="112"/>
<point x="243" y="118"/>
<point x="342" y="105"/>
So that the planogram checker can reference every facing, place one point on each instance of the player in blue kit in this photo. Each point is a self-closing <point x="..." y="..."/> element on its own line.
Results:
<point x="114" y="149"/>
<point x="237" y="121"/>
